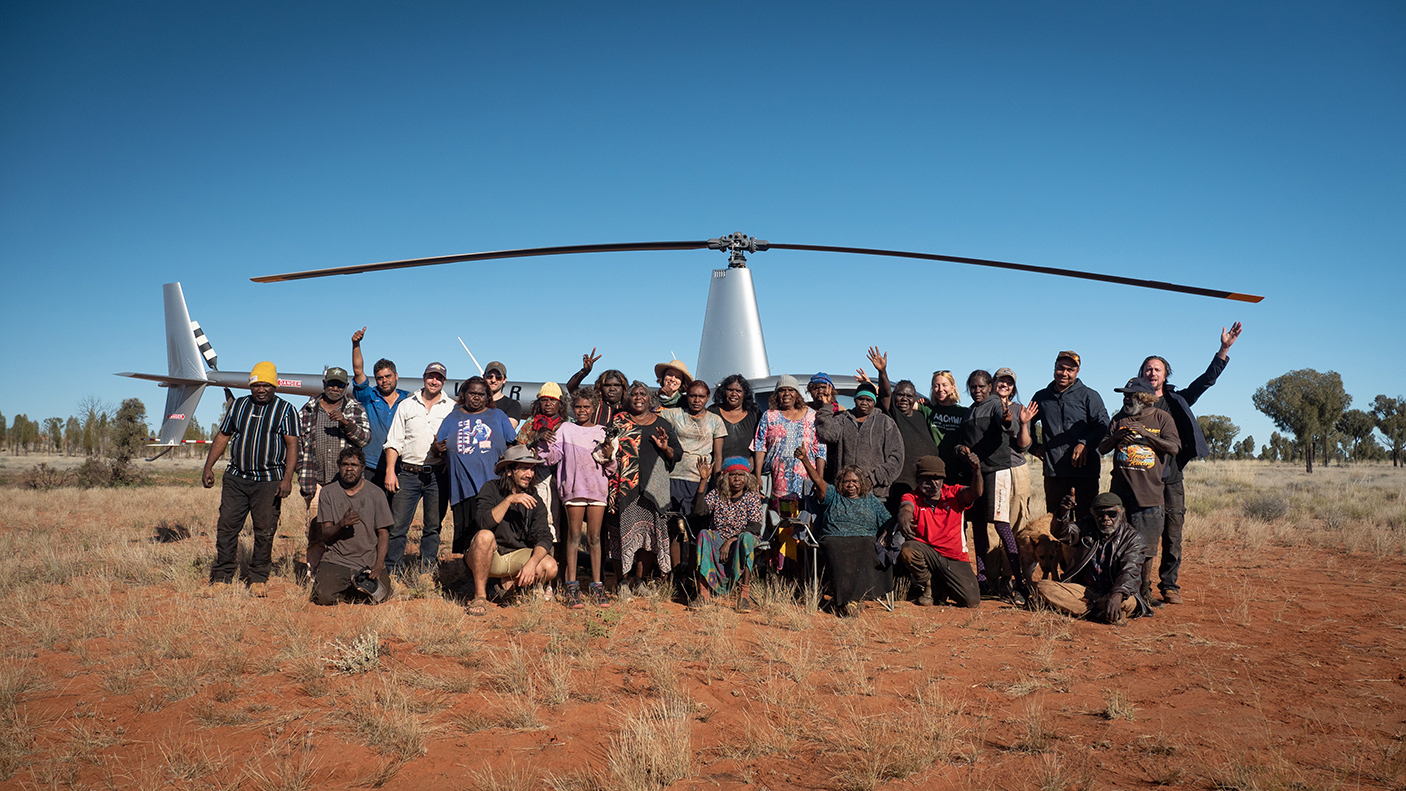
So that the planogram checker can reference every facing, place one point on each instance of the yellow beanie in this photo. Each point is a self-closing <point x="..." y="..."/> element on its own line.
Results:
<point x="550" y="390"/>
<point x="264" y="372"/>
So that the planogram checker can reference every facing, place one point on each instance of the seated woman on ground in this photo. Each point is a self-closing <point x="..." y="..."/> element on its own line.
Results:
<point x="853" y="518"/>
<point x="726" y="547"/>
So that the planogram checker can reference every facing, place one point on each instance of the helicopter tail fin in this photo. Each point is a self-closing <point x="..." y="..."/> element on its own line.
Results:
<point x="185" y="367"/>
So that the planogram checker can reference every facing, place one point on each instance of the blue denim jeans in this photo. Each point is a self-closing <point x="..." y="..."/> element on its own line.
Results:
<point x="1148" y="523"/>
<point x="433" y="489"/>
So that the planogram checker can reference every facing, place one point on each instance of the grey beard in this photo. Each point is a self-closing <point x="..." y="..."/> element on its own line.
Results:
<point x="1113" y="528"/>
<point x="1133" y="408"/>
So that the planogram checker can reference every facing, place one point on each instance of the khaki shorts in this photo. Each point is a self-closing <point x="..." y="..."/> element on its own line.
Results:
<point x="509" y="564"/>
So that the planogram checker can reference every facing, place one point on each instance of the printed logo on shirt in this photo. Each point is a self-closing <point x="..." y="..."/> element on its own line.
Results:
<point x="473" y="434"/>
<point x="1135" y="457"/>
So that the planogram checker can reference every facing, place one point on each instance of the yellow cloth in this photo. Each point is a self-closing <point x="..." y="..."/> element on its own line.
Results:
<point x="264" y="372"/>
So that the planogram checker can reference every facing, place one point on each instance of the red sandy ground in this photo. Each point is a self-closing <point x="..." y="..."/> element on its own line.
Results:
<point x="1310" y="691"/>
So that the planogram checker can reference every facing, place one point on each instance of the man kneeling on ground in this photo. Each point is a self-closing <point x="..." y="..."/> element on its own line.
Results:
<point x="936" y="546"/>
<point x="355" y="525"/>
<point x="1105" y="566"/>
<point x="513" y="541"/>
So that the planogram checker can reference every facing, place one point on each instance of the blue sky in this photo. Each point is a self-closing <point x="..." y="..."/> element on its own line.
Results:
<point x="1251" y="147"/>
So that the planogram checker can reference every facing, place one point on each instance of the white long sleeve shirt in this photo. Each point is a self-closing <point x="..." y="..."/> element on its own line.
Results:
<point x="414" y="425"/>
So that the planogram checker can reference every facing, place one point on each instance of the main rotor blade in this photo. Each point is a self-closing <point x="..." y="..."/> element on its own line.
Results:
<point x="624" y="247"/>
<point x="1045" y="270"/>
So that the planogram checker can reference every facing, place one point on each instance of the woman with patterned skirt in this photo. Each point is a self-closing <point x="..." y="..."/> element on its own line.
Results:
<point x="643" y="450"/>
<point x="727" y="546"/>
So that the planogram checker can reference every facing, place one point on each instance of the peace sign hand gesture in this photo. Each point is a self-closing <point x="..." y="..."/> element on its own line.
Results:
<point x="588" y="361"/>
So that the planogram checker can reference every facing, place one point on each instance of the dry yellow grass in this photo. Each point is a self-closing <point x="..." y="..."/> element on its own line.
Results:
<point x="92" y="608"/>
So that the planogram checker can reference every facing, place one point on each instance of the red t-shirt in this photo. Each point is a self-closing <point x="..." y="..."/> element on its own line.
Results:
<point x="940" y="526"/>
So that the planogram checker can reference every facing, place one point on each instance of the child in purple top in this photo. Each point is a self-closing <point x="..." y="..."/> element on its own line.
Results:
<point x="583" y="486"/>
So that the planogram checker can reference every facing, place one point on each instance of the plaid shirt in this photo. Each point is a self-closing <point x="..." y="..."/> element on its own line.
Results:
<point x="320" y="445"/>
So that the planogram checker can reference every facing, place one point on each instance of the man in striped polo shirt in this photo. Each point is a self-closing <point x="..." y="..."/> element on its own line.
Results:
<point x="261" y="432"/>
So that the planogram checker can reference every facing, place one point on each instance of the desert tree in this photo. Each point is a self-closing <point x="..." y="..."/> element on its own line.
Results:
<point x="1220" y="434"/>
<point x="1356" y="426"/>
<point x="1245" y="449"/>
<point x="129" y="431"/>
<point x="1280" y="448"/>
<point x="1390" y="414"/>
<point x="72" y="436"/>
<point x="94" y="413"/>
<point x="4" y="433"/>
<point x="53" y="428"/>
<point x="24" y="434"/>
<point x="1307" y="404"/>
<point x="193" y="434"/>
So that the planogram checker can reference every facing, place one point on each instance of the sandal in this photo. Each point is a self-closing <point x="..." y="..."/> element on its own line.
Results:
<point x="744" y="599"/>
<point x="478" y="608"/>
<point x="598" y="595"/>
<point x="573" y="596"/>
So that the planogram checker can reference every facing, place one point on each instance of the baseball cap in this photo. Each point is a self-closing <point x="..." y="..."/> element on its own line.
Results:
<point x="335" y="374"/>
<point x="436" y="368"/>
<point x="1071" y="355"/>
<point x="1135" y="385"/>
<point x="1000" y="372"/>
<point x="495" y="365"/>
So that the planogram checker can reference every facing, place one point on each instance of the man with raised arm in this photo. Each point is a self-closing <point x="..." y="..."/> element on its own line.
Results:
<point x="381" y="402"/>
<point x="1177" y="402"/>
<point x="936" y="547"/>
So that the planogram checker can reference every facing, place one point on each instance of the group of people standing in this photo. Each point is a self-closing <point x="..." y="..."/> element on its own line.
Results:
<point x="678" y="475"/>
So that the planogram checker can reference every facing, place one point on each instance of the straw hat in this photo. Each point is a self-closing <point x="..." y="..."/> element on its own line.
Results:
<point x="676" y="365"/>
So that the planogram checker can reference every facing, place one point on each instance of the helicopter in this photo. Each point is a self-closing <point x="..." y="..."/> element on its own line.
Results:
<point x="731" y="341"/>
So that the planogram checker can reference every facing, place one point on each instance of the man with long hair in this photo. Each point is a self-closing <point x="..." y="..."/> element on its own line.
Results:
<point x="513" y="542"/>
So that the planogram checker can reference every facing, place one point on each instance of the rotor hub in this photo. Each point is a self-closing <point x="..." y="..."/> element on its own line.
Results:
<point x="737" y="245"/>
